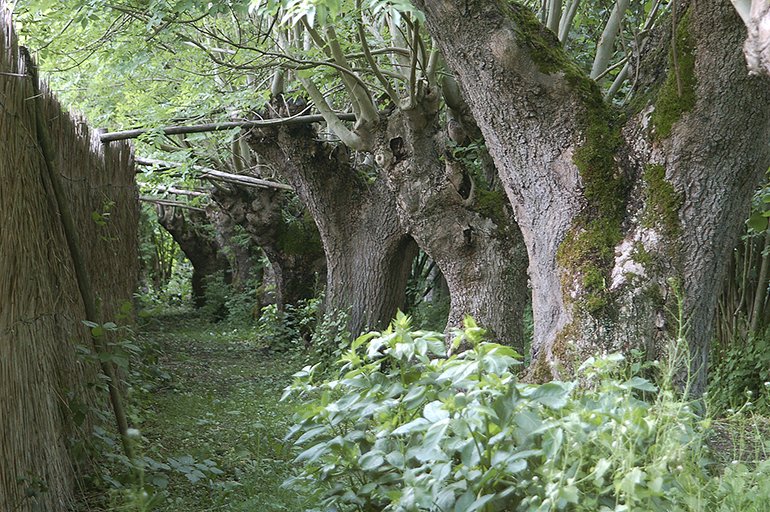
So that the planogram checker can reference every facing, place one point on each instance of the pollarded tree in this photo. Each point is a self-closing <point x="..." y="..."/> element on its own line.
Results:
<point x="289" y="239"/>
<point x="454" y="212"/>
<point x="615" y="205"/>
<point x="195" y="234"/>
<point x="368" y="251"/>
<point x="423" y="155"/>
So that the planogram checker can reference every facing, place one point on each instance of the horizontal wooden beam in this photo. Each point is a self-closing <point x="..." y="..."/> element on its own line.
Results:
<point x="213" y="174"/>
<point x="218" y="127"/>
<point x="180" y="192"/>
<point x="168" y="202"/>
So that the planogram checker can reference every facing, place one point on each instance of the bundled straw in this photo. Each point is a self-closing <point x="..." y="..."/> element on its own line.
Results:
<point x="41" y="311"/>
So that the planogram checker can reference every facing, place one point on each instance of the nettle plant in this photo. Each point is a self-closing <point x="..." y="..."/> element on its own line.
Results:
<point x="408" y="427"/>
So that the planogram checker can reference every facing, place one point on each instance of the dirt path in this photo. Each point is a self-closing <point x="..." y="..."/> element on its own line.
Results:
<point x="218" y="424"/>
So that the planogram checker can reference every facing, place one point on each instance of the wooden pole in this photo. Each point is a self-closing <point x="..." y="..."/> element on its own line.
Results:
<point x="213" y="174"/>
<point x="218" y="127"/>
<point x="167" y="202"/>
<point x="73" y="244"/>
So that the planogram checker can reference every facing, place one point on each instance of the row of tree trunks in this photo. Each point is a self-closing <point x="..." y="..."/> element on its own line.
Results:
<point x="614" y="209"/>
<point x="290" y="240"/>
<point x="452" y="214"/>
<point x="368" y="252"/>
<point x="196" y="236"/>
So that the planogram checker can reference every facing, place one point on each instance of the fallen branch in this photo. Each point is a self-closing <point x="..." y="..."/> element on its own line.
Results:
<point x="218" y="127"/>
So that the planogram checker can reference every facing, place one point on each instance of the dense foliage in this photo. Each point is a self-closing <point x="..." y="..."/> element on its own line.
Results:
<point x="407" y="426"/>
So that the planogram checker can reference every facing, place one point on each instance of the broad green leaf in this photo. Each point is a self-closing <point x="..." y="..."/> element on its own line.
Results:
<point x="371" y="460"/>
<point x="417" y="425"/>
<point x="641" y="384"/>
<point x="435" y="411"/>
<point x="552" y="394"/>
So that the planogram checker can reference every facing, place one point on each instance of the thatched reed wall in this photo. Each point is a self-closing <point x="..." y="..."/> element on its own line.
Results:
<point x="41" y="378"/>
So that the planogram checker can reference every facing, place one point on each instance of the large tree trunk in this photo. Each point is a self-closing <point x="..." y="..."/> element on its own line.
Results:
<point x="465" y="227"/>
<point x="292" y="245"/>
<point x="368" y="252"/>
<point x="194" y="234"/>
<point x="243" y="255"/>
<point x="611" y="211"/>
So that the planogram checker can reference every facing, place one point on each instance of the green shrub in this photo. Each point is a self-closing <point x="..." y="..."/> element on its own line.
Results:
<point x="406" y="427"/>
<point x="291" y="328"/>
<point x="740" y="368"/>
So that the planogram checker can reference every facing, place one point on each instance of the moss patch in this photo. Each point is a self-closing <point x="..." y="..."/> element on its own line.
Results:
<point x="588" y="249"/>
<point x="491" y="204"/>
<point x="543" y="45"/>
<point x="641" y="255"/>
<point x="300" y="236"/>
<point x="663" y="201"/>
<point x="677" y="95"/>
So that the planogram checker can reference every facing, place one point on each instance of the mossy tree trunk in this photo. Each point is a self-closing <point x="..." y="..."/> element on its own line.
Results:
<point x="467" y="229"/>
<point x="614" y="208"/>
<point x="195" y="235"/>
<point x="289" y="239"/>
<point x="368" y="252"/>
<point x="243" y="255"/>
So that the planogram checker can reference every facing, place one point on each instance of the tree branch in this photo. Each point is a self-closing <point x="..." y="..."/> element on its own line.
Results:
<point x="167" y="202"/>
<point x="213" y="174"/>
<point x="357" y="89"/>
<point x="604" y="50"/>
<point x="566" y="21"/>
<point x="392" y="94"/>
<point x="219" y="127"/>
<point x="346" y="135"/>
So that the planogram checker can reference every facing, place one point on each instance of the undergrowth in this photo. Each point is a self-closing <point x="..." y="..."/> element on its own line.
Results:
<point x="400" y="423"/>
<point x="406" y="426"/>
<point x="207" y="423"/>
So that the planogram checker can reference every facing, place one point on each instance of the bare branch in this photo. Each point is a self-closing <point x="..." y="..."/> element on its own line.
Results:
<point x="554" y="15"/>
<point x="358" y="91"/>
<point x="566" y="21"/>
<point x="347" y="136"/>
<point x="179" y="191"/>
<point x="606" y="46"/>
<point x="392" y="94"/>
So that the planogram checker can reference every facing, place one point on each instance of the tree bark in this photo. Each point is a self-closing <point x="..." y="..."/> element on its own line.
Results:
<point x="465" y="227"/>
<point x="201" y="248"/>
<point x="368" y="252"/>
<point x="611" y="210"/>
<point x="293" y="246"/>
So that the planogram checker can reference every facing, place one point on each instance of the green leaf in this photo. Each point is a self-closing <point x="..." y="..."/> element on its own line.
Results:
<point x="640" y="384"/>
<point x="480" y="502"/>
<point x="757" y="222"/>
<point x="371" y="460"/>
<point x="552" y="394"/>
<point x="602" y="465"/>
<point x="434" y="411"/>
<point x="395" y="459"/>
<point x="417" y="425"/>
<point x="312" y="453"/>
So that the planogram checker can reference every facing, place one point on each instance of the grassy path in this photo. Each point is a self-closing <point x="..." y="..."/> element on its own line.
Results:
<point x="218" y="423"/>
